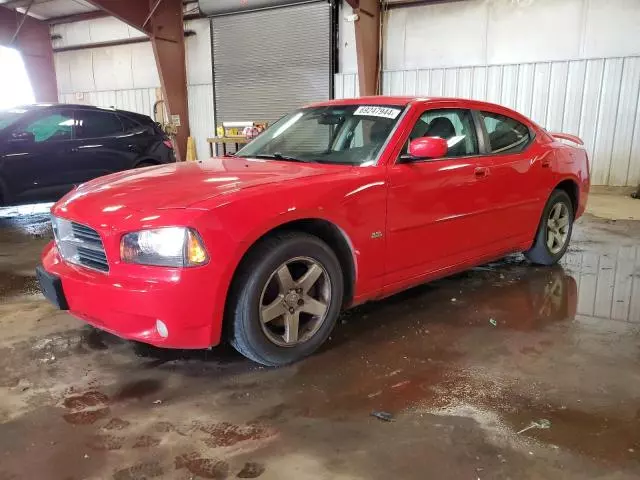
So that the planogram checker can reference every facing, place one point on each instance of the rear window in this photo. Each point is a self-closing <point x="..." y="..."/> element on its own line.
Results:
<point x="506" y="135"/>
<point x="97" y="124"/>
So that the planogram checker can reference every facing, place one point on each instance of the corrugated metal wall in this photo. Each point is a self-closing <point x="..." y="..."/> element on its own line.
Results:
<point x="126" y="76"/>
<point x="571" y="65"/>
<point x="139" y="100"/>
<point x="596" y="99"/>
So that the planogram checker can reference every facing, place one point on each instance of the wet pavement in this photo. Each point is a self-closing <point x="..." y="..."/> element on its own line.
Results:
<point x="505" y="371"/>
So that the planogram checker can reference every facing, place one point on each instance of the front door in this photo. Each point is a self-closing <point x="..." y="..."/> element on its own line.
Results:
<point x="37" y="155"/>
<point x="438" y="209"/>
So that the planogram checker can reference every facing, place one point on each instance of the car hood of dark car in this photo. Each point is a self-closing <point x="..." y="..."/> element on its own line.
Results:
<point x="185" y="184"/>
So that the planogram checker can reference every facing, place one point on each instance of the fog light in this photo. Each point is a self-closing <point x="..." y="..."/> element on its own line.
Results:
<point x="162" y="329"/>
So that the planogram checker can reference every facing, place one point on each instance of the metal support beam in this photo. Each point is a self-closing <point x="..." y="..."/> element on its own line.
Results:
<point x="132" y="12"/>
<point x="367" y="28"/>
<point x="167" y="39"/>
<point x="33" y="41"/>
<point x="162" y="20"/>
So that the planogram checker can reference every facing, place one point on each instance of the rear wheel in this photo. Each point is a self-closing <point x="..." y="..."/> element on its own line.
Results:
<point x="554" y="230"/>
<point x="286" y="299"/>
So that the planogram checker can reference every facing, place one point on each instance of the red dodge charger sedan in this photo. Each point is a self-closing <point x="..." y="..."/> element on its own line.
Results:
<point x="338" y="203"/>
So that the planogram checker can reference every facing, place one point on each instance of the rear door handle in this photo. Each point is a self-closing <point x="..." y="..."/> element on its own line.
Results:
<point x="481" y="172"/>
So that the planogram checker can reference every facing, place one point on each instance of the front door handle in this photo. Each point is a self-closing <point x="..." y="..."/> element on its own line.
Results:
<point x="481" y="172"/>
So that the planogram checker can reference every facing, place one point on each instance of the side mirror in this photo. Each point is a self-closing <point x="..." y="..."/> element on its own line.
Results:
<point x="23" y="137"/>
<point x="427" y="147"/>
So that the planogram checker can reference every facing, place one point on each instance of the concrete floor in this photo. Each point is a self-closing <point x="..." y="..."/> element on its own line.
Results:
<point x="463" y="364"/>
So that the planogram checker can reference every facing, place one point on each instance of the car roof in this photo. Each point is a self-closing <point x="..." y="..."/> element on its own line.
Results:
<point x="44" y="106"/>
<point x="403" y="101"/>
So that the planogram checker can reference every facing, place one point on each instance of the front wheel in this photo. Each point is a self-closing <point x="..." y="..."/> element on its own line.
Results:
<point x="554" y="230"/>
<point x="286" y="299"/>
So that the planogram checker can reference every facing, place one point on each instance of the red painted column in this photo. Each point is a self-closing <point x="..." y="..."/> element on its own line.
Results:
<point x="167" y="38"/>
<point x="367" y="29"/>
<point x="163" y="22"/>
<point x="34" y="43"/>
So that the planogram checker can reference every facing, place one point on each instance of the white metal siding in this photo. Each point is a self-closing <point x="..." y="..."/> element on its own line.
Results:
<point x="139" y="100"/>
<point x="597" y="99"/>
<point x="201" y="117"/>
<point x="126" y="76"/>
<point x="570" y="65"/>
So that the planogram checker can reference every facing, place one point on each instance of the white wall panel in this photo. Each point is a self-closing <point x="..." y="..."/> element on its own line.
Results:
<point x="571" y="65"/>
<point x="126" y="77"/>
<point x="599" y="100"/>
<point x="348" y="60"/>
<point x="201" y="117"/>
<point x="532" y="31"/>
<point x="143" y="66"/>
<point x="134" y="100"/>
<point x="612" y="28"/>
<point x="432" y="36"/>
<point x="198" y="52"/>
<point x="98" y="30"/>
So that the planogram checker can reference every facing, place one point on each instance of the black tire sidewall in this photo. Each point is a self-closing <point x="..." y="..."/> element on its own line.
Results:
<point x="247" y="318"/>
<point x="540" y="252"/>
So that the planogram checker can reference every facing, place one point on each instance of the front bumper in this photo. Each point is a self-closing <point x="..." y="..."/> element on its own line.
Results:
<point x="130" y="300"/>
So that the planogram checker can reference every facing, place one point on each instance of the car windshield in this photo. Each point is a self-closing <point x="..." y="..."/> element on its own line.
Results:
<point x="345" y="134"/>
<point x="8" y="117"/>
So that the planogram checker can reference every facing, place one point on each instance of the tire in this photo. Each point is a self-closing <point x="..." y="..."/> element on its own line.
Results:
<point x="541" y="253"/>
<point x="259" y="284"/>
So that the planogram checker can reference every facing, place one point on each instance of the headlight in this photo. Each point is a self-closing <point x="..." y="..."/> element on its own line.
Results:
<point x="165" y="247"/>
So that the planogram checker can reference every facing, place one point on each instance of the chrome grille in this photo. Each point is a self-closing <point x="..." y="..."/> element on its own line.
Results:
<point x="80" y="244"/>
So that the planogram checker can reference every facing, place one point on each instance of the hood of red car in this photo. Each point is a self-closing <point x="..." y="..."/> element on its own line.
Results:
<point x="181" y="185"/>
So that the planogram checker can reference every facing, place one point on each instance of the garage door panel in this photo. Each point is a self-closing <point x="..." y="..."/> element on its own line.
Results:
<point x="262" y="73"/>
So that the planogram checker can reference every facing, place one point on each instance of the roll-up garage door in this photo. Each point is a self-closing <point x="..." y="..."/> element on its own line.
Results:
<point x="269" y="62"/>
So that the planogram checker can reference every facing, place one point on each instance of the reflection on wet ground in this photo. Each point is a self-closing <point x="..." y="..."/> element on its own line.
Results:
<point x="504" y="371"/>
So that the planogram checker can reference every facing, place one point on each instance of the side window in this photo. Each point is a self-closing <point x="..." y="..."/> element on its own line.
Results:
<point x="506" y="135"/>
<point x="51" y="126"/>
<point x="128" y="124"/>
<point x="96" y="124"/>
<point x="453" y="125"/>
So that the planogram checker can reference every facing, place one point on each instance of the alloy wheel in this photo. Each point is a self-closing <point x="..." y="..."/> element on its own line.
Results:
<point x="558" y="227"/>
<point x="295" y="301"/>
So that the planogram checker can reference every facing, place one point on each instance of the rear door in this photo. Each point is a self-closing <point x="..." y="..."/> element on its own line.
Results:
<point x="517" y="179"/>
<point x="102" y="146"/>
<point x="35" y="167"/>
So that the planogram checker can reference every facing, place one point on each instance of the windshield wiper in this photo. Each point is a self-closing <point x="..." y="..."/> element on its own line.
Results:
<point x="279" y="156"/>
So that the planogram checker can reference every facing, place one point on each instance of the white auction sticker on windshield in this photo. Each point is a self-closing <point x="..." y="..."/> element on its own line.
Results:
<point x="376" y="111"/>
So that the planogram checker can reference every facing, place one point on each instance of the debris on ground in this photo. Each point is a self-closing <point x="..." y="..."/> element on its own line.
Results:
<point x="454" y="300"/>
<point x="157" y="402"/>
<point x="542" y="424"/>
<point x="384" y="416"/>
<point x="493" y="322"/>
<point x="401" y="384"/>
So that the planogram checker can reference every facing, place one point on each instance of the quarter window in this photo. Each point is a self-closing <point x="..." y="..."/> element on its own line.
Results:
<point x="506" y="135"/>
<point x="96" y="124"/>
<point x="453" y="125"/>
